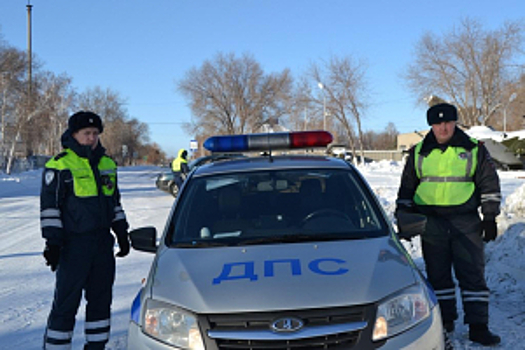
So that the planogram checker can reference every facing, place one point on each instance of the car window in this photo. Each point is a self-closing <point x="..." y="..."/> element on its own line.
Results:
<point x="275" y="205"/>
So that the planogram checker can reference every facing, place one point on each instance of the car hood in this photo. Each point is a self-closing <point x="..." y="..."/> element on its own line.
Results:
<point x="281" y="276"/>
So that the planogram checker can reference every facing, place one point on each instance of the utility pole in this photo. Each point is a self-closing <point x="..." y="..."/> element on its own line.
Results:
<point x="29" y="53"/>
<point x="321" y="86"/>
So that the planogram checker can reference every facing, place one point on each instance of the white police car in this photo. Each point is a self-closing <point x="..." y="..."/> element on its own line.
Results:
<point x="280" y="252"/>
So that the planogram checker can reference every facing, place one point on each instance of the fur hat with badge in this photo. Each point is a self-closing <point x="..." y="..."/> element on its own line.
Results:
<point x="440" y="113"/>
<point x="84" y="119"/>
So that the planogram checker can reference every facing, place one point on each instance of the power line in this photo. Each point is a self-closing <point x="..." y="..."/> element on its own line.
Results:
<point x="165" y="123"/>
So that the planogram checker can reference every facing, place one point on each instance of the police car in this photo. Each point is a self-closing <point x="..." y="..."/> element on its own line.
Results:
<point x="280" y="252"/>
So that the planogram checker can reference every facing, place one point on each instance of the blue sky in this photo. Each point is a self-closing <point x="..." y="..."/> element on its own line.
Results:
<point x="141" y="48"/>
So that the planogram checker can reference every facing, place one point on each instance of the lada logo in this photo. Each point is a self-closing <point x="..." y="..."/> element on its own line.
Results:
<point x="287" y="324"/>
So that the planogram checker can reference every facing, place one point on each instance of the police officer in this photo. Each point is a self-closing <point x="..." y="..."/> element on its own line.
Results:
<point x="447" y="177"/>
<point x="80" y="204"/>
<point x="180" y="168"/>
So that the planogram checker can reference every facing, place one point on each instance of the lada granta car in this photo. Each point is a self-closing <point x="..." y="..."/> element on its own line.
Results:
<point x="280" y="252"/>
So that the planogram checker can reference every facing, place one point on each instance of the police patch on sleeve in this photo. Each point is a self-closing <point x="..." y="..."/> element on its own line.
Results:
<point x="49" y="176"/>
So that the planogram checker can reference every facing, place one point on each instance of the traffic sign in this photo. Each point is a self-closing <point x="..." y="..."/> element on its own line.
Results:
<point x="194" y="145"/>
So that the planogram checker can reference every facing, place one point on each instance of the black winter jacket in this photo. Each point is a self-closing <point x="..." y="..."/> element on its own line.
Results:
<point x="486" y="180"/>
<point x="64" y="215"/>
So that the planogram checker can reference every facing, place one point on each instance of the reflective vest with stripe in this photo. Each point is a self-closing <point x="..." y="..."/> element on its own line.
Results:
<point x="446" y="178"/>
<point x="84" y="182"/>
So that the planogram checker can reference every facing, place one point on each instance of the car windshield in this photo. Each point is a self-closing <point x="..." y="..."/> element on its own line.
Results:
<point x="275" y="206"/>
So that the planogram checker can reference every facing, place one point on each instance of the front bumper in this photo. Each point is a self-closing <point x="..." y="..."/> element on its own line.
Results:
<point x="140" y="341"/>
<point x="426" y="335"/>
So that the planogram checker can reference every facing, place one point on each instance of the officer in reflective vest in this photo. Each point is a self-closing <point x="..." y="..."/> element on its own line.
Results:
<point x="447" y="177"/>
<point x="180" y="168"/>
<point x="79" y="206"/>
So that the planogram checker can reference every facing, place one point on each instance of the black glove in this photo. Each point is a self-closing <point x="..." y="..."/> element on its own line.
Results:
<point x="52" y="255"/>
<point x="409" y="223"/>
<point x="489" y="230"/>
<point x="123" y="243"/>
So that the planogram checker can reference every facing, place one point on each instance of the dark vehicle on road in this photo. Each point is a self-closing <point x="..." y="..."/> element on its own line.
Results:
<point x="165" y="181"/>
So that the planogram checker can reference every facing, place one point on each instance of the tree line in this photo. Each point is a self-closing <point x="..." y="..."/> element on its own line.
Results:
<point x="34" y="112"/>
<point x="476" y="69"/>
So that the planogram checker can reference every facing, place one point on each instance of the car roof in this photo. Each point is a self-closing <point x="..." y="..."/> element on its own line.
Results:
<point x="272" y="163"/>
<point x="213" y="158"/>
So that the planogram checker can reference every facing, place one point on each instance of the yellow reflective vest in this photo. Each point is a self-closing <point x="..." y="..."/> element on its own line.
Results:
<point x="177" y="162"/>
<point x="446" y="178"/>
<point x="84" y="182"/>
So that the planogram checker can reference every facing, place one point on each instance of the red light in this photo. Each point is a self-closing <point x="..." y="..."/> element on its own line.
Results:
<point x="305" y="139"/>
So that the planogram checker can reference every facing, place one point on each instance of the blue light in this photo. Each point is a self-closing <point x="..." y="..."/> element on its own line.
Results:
<point x="232" y="143"/>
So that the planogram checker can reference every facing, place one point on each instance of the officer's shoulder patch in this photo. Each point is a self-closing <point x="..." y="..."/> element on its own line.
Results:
<point x="49" y="176"/>
<point x="60" y="155"/>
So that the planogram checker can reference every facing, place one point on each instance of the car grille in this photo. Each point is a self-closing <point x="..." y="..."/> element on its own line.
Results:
<point x="247" y="322"/>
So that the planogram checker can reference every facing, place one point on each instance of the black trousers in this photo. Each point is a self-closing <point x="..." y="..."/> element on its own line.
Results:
<point x="86" y="265"/>
<point x="455" y="242"/>
<point x="178" y="179"/>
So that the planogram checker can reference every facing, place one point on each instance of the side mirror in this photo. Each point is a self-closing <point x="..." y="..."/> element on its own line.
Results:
<point x="410" y="224"/>
<point x="144" y="239"/>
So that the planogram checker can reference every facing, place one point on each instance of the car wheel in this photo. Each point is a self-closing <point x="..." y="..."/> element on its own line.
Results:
<point x="174" y="190"/>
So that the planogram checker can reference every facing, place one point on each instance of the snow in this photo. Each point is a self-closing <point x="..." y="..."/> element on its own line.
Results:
<point x="484" y="132"/>
<point x="26" y="286"/>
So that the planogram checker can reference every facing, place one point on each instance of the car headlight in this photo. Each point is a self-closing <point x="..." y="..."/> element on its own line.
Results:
<point x="401" y="311"/>
<point x="172" y="325"/>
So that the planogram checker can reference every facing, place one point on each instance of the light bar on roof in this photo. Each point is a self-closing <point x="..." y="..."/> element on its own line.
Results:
<point x="268" y="142"/>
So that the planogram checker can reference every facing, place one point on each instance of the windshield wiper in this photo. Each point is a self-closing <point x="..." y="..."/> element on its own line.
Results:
<point x="320" y="237"/>
<point x="283" y="239"/>
<point x="200" y="244"/>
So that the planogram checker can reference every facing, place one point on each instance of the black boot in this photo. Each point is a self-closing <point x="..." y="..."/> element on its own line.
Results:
<point x="479" y="333"/>
<point x="448" y="341"/>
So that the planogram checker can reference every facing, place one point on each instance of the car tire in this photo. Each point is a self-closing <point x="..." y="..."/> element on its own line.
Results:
<point x="174" y="190"/>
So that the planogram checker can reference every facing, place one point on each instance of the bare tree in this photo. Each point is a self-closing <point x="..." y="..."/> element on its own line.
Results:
<point x="384" y="140"/>
<point x="134" y="135"/>
<point x="42" y="135"/>
<point x="468" y="66"/>
<point x="514" y="106"/>
<point x="110" y="106"/>
<point x="32" y="120"/>
<point x="231" y="95"/>
<point x="105" y="102"/>
<point x="153" y="154"/>
<point x="123" y="137"/>
<point x="343" y="81"/>
<point x="304" y="113"/>
<point x="20" y="108"/>
<point x="13" y="66"/>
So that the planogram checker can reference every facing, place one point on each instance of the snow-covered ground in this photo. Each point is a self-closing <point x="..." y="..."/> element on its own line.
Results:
<point x="26" y="286"/>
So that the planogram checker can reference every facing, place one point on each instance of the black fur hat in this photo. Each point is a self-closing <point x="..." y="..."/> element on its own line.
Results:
<point x="442" y="112"/>
<point x="84" y="119"/>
